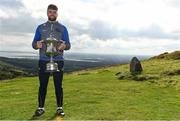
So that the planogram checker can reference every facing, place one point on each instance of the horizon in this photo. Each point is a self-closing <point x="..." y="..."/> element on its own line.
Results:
<point x="69" y="53"/>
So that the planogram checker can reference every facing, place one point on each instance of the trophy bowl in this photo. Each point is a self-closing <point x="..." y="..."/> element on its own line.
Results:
<point x="51" y="51"/>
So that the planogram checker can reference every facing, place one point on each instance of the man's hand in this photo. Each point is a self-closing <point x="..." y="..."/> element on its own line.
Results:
<point x="39" y="44"/>
<point x="62" y="46"/>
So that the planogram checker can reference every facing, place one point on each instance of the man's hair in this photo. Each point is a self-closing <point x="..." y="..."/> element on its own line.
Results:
<point x="53" y="7"/>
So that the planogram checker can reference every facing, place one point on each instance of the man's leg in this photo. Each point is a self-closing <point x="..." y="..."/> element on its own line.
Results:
<point x="43" y="82"/>
<point x="58" y="77"/>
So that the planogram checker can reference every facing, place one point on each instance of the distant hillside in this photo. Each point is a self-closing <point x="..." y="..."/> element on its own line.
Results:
<point x="15" y="67"/>
<point x="30" y="66"/>
<point x="173" y="55"/>
<point x="8" y="71"/>
<point x="22" y="63"/>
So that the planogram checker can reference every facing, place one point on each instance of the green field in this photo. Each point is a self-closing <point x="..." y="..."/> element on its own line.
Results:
<point x="97" y="94"/>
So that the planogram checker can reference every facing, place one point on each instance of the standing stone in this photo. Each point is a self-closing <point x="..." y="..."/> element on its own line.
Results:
<point x="135" y="66"/>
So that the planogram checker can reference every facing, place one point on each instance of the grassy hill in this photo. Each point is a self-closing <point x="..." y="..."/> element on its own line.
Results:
<point x="8" y="71"/>
<point x="29" y="66"/>
<point x="173" y="55"/>
<point x="99" y="94"/>
<point x="17" y="67"/>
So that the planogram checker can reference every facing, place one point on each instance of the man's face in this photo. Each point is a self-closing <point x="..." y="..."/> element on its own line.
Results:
<point x="52" y="15"/>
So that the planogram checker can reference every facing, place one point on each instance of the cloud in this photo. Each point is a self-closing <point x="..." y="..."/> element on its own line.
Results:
<point x="10" y="4"/>
<point x="10" y="8"/>
<point x="16" y="20"/>
<point x="95" y="29"/>
<point x="16" y="42"/>
<point x="21" y="24"/>
<point x="104" y="31"/>
<point x="173" y="3"/>
<point x="84" y="43"/>
<point x="123" y="26"/>
<point x="151" y="32"/>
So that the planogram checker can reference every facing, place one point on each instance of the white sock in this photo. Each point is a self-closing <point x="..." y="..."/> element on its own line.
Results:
<point x="59" y="107"/>
<point x="41" y="108"/>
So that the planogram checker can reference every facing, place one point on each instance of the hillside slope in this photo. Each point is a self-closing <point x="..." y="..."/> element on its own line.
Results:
<point x="99" y="94"/>
<point x="173" y="55"/>
<point x="8" y="71"/>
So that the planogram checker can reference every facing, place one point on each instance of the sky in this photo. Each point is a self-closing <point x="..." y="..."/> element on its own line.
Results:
<point x="141" y="27"/>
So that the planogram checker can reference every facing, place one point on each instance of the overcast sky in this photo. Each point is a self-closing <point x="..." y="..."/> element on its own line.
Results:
<point x="143" y="27"/>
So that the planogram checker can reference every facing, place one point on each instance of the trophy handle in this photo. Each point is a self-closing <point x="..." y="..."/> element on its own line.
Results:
<point x="59" y="43"/>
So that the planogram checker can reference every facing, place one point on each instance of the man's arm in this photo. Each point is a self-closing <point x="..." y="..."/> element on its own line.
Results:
<point x="66" y="39"/>
<point x="36" y="39"/>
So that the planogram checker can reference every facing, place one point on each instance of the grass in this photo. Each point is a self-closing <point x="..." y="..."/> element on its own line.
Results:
<point x="173" y="55"/>
<point x="97" y="94"/>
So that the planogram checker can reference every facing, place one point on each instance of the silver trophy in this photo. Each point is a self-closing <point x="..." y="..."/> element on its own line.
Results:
<point x="52" y="51"/>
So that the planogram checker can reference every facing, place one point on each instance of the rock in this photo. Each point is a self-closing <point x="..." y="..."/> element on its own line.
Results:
<point x="135" y="66"/>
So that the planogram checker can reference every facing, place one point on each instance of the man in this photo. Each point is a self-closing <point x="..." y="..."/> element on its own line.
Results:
<point x="58" y="31"/>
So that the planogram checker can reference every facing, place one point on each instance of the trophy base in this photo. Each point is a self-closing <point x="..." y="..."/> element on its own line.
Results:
<point x="52" y="67"/>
